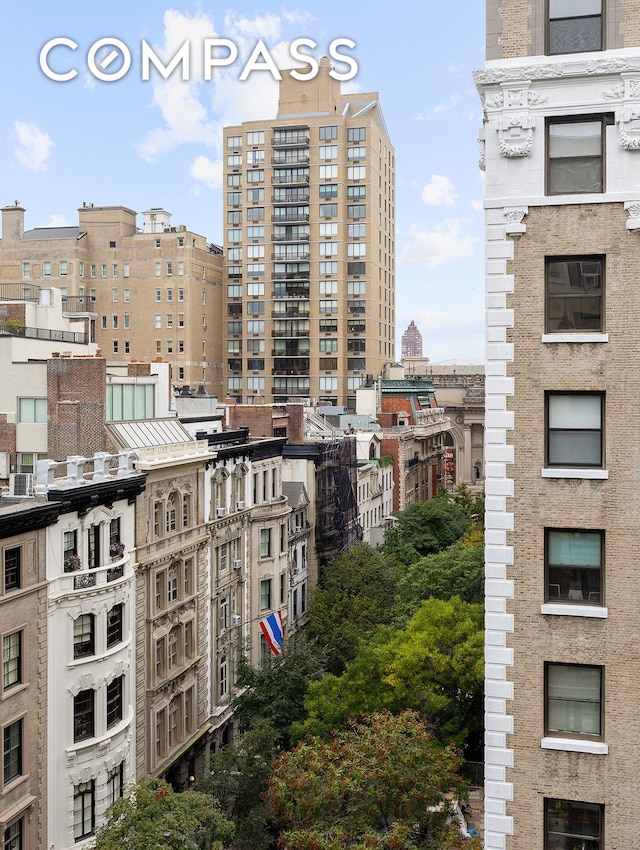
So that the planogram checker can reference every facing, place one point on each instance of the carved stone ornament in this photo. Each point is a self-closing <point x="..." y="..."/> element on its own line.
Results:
<point x="509" y="98"/>
<point x="482" y="154"/>
<point x="628" y="136"/>
<point x="633" y="209"/>
<point x="515" y="137"/>
<point x="550" y="70"/>
<point x="515" y="218"/>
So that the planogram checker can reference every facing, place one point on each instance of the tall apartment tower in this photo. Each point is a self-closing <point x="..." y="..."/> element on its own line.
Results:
<point x="411" y="341"/>
<point x="561" y="144"/>
<point x="309" y="210"/>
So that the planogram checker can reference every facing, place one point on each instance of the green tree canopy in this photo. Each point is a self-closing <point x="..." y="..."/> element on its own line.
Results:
<point x="153" y="817"/>
<point x="275" y="692"/>
<point x="434" y="666"/>
<point x="353" y="599"/>
<point x="425" y="528"/>
<point x="237" y="778"/>
<point x="456" y="571"/>
<point x="380" y="783"/>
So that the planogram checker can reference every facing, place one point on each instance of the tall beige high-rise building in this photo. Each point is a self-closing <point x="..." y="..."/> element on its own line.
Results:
<point x="309" y="212"/>
<point x="560" y="91"/>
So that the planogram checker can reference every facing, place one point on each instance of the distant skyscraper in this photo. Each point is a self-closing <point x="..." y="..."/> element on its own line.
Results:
<point x="411" y="342"/>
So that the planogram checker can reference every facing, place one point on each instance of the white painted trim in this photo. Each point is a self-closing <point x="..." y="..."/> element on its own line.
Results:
<point x="575" y="337"/>
<point x="569" y="472"/>
<point x="559" y="609"/>
<point x="574" y="745"/>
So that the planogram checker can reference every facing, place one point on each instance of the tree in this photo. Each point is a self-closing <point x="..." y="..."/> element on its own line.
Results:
<point x="456" y="571"/>
<point x="425" y="528"/>
<point x="275" y="692"/>
<point x="153" y="817"/>
<point x="381" y="783"/>
<point x="352" y="601"/>
<point x="237" y="778"/>
<point x="434" y="666"/>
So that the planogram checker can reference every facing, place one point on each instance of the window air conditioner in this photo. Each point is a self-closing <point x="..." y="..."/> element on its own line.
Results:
<point x="237" y="565"/>
<point x="21" y="484"/>
<point x="240" y="505"/>
<point x="220" y="512"/>
<point x="237" y="619"/>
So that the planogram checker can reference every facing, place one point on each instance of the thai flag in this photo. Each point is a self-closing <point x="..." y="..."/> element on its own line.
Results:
<point x="272" y="630"/>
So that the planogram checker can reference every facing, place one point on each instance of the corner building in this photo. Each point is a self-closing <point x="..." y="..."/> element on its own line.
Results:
<point x="309" y="246"/>
<point x="561" y="145"/>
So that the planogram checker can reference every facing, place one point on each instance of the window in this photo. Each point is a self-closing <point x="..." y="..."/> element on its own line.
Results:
<point x="83" y="715"/>
<point x="574" y="27"/>
<point x="328" y="325"/>
<point x="328" y="190"/>
<point x="265" y="544"/>
<point x="356" y="287"/>
<point x="46" y="268"/>
<point x="568" y="824"/>
<point x="255" y="252"/>
<point x="265" y="594"/>
<point x="169" y="294"/>
<point x="328" y="211"/>
<point x="170" y="515"/>
<point x="114" y="701"/>
<point x="573" y="700"/>
<point x="103" y="269"/>
<point x="574" y="294"/>
<point x="188" y="639"/>
<point x="11" y="660"/>
<point x="356" y="268"/>
<point x="158" y="295"/>
<point x="114" y="624"/>
<point x="327" y="134"/>
<point x="328" y="267"/>
<point x="328" y="384"/>
<point x="574" y="429"/>
<point x="84" y="809"/>
<point x="63" y="268"/>
<point x="158" y="268"/>
<point x="327" y="151"/>
<point x="356" y="134"/>
<point x="356" y="172"/>
<point x="172" y="583"/>
<point x="12" y="764"/>
<point x="92" y="270"/>
<point x="127" y="321"/>
<point x="255" y="137"/>
<point x="356" y="211"/>
<point x="26" y="270"/>
<point x="12" y="569"/>
<point x="224" y="676"/>
<point x="574" y="566"/>
<point x="115" y="783"/>
<point x="575" y="154"/>
<point x="83" y="636"/>
<point x="256" y="175"/>
<point x="234" y="180"/>
<point x="355" y="193"/>
<point x="126" y="269"/>
<point x="32" y="410"/>
<point x="328" y="172"/>
<point x="234" y="160"/>
<point x="356" y="249"/>
<point x="255" y="196"/>
<point x="255" y="327"/>
<point x="173" y="722"/>
<point x="234" y="199"/>
<point x="255" y="231"/>
<point x="234" y="142"/>
<point x="172" y="648"/>
<point x="327" y="345"/>
<point x="14" y="835"/>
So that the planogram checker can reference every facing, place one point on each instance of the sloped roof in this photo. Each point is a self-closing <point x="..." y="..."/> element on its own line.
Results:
<point x="143" y="433"/>
<point x="296" y="493"/>
<point x="42" y="233"/>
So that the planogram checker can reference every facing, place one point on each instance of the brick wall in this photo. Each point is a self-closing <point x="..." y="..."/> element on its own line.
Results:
<point x="76" y="406"/>
<point x="540" y="503"/>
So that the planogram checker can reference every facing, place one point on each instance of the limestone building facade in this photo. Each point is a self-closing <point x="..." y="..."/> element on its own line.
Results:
<point x="309" y="274"/>
<point x="561" y="96"/>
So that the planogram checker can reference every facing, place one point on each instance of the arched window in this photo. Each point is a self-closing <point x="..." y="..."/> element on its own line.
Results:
<point x="170" y="514"/>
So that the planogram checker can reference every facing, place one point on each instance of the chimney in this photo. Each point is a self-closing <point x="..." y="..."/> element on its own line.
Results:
<point x="13" y="223"/>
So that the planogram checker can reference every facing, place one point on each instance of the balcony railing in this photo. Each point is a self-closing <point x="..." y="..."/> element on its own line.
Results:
<point x="291" y="258"/>
<point x="290" y="141"/>
<point x="19" y="292"/>
<point x="292" y="313"/>
<point x="290" y="237"/>
<point x="86" y="578"/>
<point x="290" y="275"/>
<point x="301" y="159"/>
<point x="290" y="180"/>
<point x="45" y="334"/>
<point x="293" y="334"/>
<point x="288" y="217"/>
<point x="292" y="198"/>
<point x="78" y="304"/>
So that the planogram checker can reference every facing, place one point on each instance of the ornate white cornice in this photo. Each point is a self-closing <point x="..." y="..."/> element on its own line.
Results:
<point x="554" y="70"/>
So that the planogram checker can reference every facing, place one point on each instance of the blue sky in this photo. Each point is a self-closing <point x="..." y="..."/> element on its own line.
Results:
<point x="155" y="143"/>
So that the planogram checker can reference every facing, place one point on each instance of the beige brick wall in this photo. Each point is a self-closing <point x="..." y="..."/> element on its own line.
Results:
<point x="611" y="505"/>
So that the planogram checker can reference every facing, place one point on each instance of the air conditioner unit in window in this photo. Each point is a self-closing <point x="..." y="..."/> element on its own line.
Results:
<point x="237" y="619"/>
<point x="237" y="565"/>
<point x="21" y="484"/>
<point x="220" y="512"/>
<point x="240" y="505"/>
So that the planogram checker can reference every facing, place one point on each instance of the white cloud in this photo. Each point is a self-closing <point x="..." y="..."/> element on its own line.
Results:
<point x="439" y="192"/>
<point x="478" y="206"/>
<point x="454" y="100"/>
<point x="58" y="220"/>
<point x="195" y="111"/>
<point x="444" y="243"/>
<point x="207" y="171"/>
<point x="33" y="146"/>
